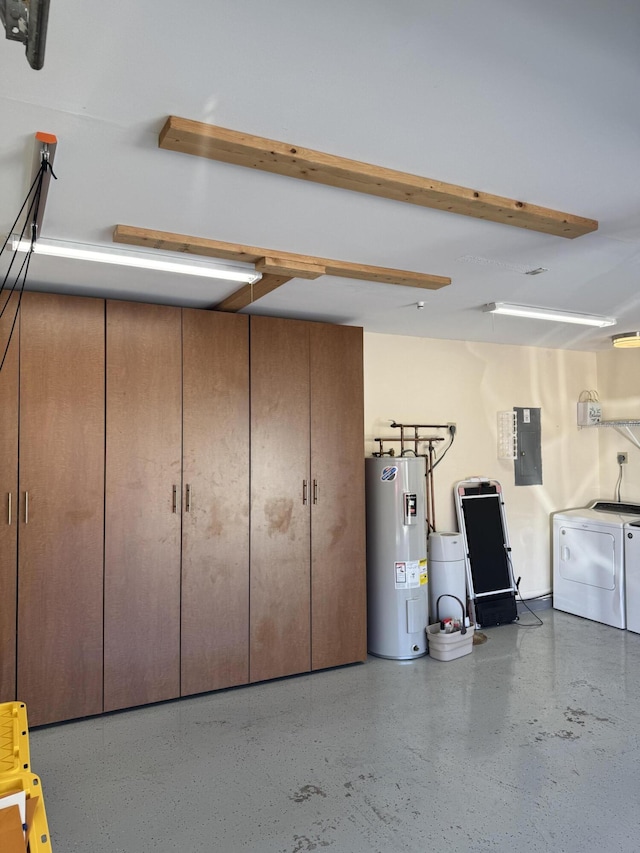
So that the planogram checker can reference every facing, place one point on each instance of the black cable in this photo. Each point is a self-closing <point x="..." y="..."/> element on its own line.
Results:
<point x="445" y="451"/>
<point x="538" y="597"/>
<point x="535" y="615"/>
<point x="33" y="208"/>
<point x="25" y="266"/>
<point x="11" y="290"/>
<point x="43" y="168"/>
<point x="33" y="211"/>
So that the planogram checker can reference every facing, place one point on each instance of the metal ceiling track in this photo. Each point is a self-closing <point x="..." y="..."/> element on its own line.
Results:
<point x="283" y="158"/>
<point x="276" y="267"/>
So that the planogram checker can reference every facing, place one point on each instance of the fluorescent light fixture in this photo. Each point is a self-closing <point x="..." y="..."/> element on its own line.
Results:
<point x="548" y="314"/>
<point x="628" y="340"/>
<point x="160" y="261"/>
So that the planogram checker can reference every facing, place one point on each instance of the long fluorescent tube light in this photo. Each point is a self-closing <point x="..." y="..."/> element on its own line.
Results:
<point x="163" y="262"/>
<point x="548" y="314"/>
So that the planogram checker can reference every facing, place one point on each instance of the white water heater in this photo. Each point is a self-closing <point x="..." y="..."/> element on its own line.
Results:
<point x="396" y="557"/>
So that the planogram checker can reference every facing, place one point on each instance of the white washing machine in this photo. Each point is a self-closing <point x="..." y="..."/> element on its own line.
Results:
<point x="632" y="572"/>
<point x="589" y="560"/>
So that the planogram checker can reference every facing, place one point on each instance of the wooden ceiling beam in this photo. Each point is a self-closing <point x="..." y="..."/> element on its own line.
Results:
<point x="249" y="293"/>
<point x="283" y="158"/>
<point x="289" y="267"/>
<point x="274" y="262"/>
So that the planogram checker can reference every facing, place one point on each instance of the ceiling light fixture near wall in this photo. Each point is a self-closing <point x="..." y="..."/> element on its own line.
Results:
<point x="159" y="261"/>
<point x="548" y="314"/>
<point x="628" y="340"/>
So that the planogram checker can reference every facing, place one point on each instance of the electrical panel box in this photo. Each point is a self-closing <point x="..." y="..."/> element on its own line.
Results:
<point x="528" y="462"/>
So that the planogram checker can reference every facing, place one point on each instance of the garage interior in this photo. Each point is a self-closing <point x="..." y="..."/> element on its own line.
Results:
<point x="182" y="558"/>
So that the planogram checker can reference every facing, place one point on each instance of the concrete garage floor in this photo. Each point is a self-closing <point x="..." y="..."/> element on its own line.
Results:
<point x="530" y="743"/>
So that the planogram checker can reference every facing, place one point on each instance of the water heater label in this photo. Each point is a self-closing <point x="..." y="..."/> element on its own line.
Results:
<point x="410" y="508"/>
<point x="389" y="473"/>
<point x="424" y="577"/>
<point x="407" y="574"/>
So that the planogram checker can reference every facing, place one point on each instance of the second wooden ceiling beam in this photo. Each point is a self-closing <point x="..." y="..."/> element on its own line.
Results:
<point x="283" y="158"/>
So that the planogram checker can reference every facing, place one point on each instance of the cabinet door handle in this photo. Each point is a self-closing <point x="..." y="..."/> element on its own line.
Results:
<point x="304" y="492"/>
<point x="9" y="503"/>
<point x="26" y="507"/>
<point x="187" y="500"/>
<point x="174" y="504"/>
<point x="315" y="491"/>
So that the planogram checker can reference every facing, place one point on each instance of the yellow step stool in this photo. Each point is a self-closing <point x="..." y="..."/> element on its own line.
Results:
<point x="15" y="771"/>
<point x="14" y="738"/>
<point x="39" y="841"/>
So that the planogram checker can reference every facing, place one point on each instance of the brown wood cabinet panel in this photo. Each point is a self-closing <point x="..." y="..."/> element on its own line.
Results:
<point x="60" y="577"/>
<point x="280" y="568"/>
<point x="338" y="574"/>
<point x="8" y="497"/>
<point x="215" y="521"/>
<point x="143" y="519"/>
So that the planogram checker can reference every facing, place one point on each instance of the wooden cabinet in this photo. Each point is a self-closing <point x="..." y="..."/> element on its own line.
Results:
<point x="280" y="642"/>
<point x="215" y="520"/>
<point x="143" y="505"/>
<point x="177" y="511"/>
<point x="181" y="508"/>
<point x="338" y="571"/>
<point x="8" y="497"/>
<point x="307" y="497"/>
<point x="61" y="506"/>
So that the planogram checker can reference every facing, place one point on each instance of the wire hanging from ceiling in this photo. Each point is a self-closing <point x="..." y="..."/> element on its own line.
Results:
<point x="7" y="290"/>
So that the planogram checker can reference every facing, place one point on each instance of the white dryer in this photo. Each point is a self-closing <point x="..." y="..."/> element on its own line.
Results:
<point x="632" y="574"/>
<point x="589" y="560"/>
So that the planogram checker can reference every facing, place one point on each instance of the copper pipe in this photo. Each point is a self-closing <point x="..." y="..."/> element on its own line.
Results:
<point x="433" y="498"/>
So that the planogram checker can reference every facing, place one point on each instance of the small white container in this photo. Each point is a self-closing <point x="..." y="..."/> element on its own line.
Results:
<point x="447" y="575"/>
<point x="449" y="646"/>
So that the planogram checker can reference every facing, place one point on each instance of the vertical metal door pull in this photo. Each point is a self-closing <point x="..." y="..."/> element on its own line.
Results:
<point x="188" y="499"/>
<point x="304" y="492"/>
<point x="9" y="507"/>
<point x="26" y="507"/>
<point x="315" y="491"/>
<point x="175" y="499"/>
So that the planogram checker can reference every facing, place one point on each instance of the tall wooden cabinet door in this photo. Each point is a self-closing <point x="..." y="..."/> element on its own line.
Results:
<point x="338" y="573"/>
<point x="280" y="518"/>
<point x="215" y="521"/>
<point x="142" y="513"/>
<point x="8" y="497"/>
<point x="61" y="514"/>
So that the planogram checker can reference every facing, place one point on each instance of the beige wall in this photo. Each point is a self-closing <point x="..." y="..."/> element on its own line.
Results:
<point x="618" y="385"/>
<point x="418" y="380"/>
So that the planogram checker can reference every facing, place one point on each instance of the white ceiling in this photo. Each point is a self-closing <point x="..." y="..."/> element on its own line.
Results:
<point x="534" y="101"/>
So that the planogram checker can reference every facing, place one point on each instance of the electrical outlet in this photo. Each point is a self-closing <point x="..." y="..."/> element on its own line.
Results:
<point x="622" y="458"/>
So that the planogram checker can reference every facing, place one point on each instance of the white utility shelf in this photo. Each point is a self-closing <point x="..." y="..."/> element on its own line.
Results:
<point x="623" y="427"/>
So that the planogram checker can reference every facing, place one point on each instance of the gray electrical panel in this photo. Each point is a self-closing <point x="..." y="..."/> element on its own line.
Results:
<point x="528" y="463"/>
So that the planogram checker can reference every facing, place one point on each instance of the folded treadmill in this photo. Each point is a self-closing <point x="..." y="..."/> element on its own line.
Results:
<point x="483" y="525"/>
